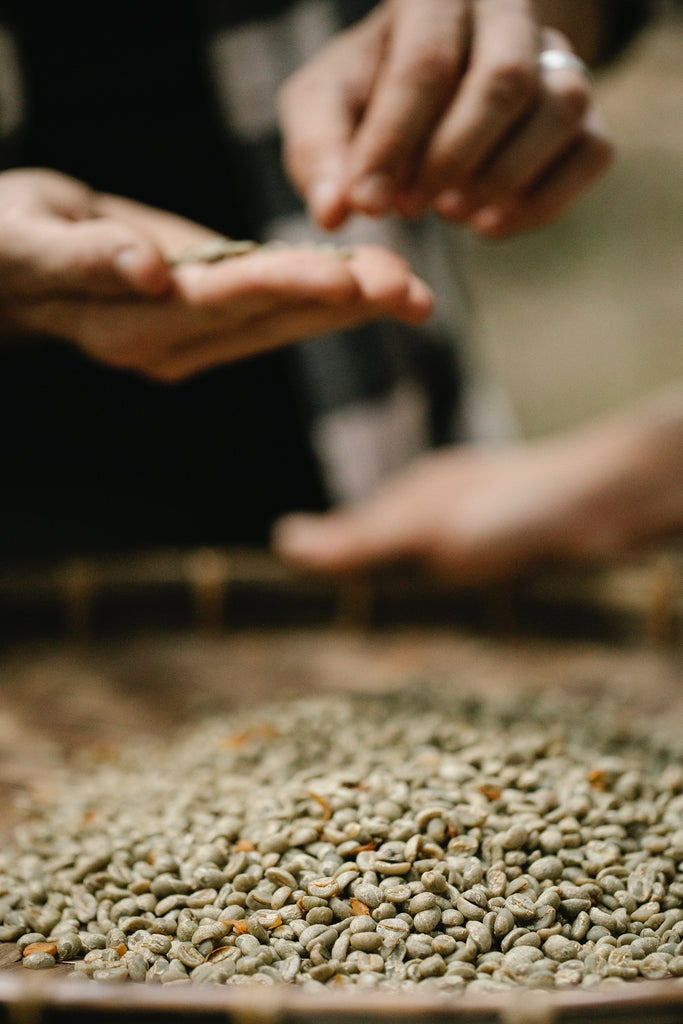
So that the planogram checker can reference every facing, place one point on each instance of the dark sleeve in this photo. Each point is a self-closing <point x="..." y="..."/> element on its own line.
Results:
<point x="622" y="22"/>
<point x="12" y="100"/>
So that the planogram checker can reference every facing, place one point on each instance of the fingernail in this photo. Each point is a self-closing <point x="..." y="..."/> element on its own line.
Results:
<point x="128" y="258"/>
<point x="139" y="271"/>
<point x="421" y="298"/>
<point x="452" y="203"/>
<point x="486" y="219"/>
<point x="129" y="262"/>
<point x="373" y="194"/>
<point x="324" y="197"/>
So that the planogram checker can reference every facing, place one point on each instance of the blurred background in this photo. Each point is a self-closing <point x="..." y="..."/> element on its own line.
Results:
<point x="586" y="315"/>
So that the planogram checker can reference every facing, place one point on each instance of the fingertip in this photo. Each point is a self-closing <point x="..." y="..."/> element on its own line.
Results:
<point x="300" y="540"/>
<point x="144" y="270"/>
<point x="327" y="203"/>
<point x="373" y="193"/>
<point x="452" y="204"/>
<point x="387" y="283"/>
<point x="326" y="543"/>
<point x="333" y="542"/>
<point x="421" y="300"/>
<point x="491" y="221"/>
<point x="283" y="277"/>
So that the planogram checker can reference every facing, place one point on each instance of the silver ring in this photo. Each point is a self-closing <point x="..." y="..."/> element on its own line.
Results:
<point x="554" y="60"/>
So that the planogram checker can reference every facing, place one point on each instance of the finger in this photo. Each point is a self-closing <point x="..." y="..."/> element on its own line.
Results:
<point x="373" y="279"/>
<point x="387" y="284"/>
<point x="276" y="325"/>
<point x="267" y="277"/>
<point x="90" y="257"/>
<point x="319" y="108"/>
<point x="419" y="73"/>
<point x="377" y="532"/>
<point x="498" y="89"/>
<point x="539" y="143"/>
<point x="173" y="338"/>
<point x="419" y="303"/>
<point x="315" y="145"/>
<point x="558" y="189"/>
<point x="38" y="191"/>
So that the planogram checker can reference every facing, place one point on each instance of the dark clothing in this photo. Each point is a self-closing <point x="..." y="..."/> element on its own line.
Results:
<point x="100" y="456"/>
<point x="139" y="103"/>
<point x="622" y="20"/>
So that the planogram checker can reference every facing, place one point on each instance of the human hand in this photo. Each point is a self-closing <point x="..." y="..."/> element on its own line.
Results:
<point x="95" y="270"/>
<point x="442" y="105"/>
<point x="474" y="514"/>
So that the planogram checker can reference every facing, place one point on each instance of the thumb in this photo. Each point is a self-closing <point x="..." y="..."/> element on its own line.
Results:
<point x="318" y="111"/>
<point x="97" y="257"/>
<point x="316" y="134"/>
<point x="358" y="538"/>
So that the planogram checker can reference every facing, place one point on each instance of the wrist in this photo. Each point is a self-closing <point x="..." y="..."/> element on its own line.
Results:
<point x="627" y="476"/>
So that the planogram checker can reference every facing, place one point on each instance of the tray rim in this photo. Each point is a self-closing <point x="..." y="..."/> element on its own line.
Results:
<point x="270" y="1003"/>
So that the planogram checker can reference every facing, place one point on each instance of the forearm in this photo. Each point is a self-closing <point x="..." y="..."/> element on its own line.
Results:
<point x="629" y="471"/>
<point x="660" y="424"/>
<point x="598" y="29"/>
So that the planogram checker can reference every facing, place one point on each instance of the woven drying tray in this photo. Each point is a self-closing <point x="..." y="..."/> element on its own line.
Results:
<point x="111" y="678"/>
<point x="67" y="1002"/>
<point x="639" y="600"/>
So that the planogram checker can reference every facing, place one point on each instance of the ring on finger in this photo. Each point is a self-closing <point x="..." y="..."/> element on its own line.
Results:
<point x="555" y="60"/>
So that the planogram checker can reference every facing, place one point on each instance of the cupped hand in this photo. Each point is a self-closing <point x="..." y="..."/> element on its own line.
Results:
<point x="468" y="514"/>
<point x="96" y="270"/>
<point x="473" y="514"/>
<point x="442" y="105"/>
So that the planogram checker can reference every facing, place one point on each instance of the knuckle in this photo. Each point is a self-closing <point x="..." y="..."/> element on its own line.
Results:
<point x="444" y="165"/>
<point x="511" y="84"/>
<point x="430" y="66"/>
<point x="389" y="146"/>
